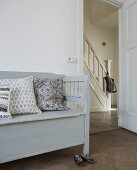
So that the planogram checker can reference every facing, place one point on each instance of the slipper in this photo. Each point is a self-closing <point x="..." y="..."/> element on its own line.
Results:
<point x="86" y="158"/>
<point x="79" y="160"/>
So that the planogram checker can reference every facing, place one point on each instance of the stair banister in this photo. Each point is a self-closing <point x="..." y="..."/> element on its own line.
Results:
<point x="108" y="64"/>
<point x="98" y="71"/>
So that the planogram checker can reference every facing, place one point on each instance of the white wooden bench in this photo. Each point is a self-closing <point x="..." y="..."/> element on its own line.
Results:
<point x="28" y="135"/>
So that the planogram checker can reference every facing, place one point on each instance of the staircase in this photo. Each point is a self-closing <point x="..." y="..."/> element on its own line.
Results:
<point x="97" y="70"/>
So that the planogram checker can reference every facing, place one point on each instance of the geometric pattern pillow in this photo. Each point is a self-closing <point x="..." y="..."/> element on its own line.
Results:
<point x="22" y="99"/>
<point x="49" y="93"/>
<point x="4" y="102"/>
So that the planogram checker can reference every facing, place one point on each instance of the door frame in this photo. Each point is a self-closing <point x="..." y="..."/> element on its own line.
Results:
<point x="80" y="69"/>
<point x="120" y="91"/>
<point x="120" y="41"/>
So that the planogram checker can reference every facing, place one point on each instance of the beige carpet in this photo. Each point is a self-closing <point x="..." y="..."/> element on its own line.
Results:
<point x="113" y="150"/>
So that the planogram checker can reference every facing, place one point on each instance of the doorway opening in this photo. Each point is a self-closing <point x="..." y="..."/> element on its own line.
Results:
<point x="101" y="55"/>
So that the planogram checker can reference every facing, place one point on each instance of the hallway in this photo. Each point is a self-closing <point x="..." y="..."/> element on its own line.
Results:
<point x="103" y="121"/>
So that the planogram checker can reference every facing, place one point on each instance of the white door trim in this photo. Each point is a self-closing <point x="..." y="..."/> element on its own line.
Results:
<point x="119" y="98"/>
<point x="119" y="93"/>
<point x="120" y="69"/>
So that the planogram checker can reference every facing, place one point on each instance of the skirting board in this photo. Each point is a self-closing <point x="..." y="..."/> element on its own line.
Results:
<point x="93" y="109"/>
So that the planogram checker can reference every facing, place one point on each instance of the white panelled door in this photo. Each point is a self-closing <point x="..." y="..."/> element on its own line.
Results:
<point x="128" y="66"/>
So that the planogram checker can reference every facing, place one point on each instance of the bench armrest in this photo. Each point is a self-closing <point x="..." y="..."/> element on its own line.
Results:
<point x="76" y="90"/>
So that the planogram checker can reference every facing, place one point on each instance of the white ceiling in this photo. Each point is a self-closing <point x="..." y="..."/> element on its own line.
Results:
<point x="102" y="14"/>
<point x="110" y="21"/>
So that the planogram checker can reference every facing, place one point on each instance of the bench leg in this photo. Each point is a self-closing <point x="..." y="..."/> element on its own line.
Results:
<point x="86" y="135"/>
<point x="86" y="148"/>
<point x="86" y="141"/>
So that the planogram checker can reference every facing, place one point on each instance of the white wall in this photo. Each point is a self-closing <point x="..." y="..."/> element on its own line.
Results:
<point x="97" y="35"/>
<point x="39" y="35"/>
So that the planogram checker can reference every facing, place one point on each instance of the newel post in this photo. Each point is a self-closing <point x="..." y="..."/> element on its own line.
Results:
<point x="108" y="64"/>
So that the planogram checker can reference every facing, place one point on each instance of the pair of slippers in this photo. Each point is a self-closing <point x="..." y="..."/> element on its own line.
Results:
<point x="81" y="160"/>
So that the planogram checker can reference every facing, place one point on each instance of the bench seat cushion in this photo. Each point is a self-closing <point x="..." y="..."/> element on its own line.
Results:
<point x="47" y="115"/>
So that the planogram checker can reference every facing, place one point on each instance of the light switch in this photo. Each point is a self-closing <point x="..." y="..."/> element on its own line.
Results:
<point x="72" y="60"/>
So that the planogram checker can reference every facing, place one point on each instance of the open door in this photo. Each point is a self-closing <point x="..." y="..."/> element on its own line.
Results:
<point x="128" y="66"/>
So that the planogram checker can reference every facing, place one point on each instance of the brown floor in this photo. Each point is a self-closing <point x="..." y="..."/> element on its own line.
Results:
<point x="103" y="121"/>
<point x="113" y="150"/>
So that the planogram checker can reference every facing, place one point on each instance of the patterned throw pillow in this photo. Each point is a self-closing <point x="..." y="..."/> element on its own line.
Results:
<point x="22" y="98"/>
<point x="49" y="93"/>
<point x="4" y="102"/>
